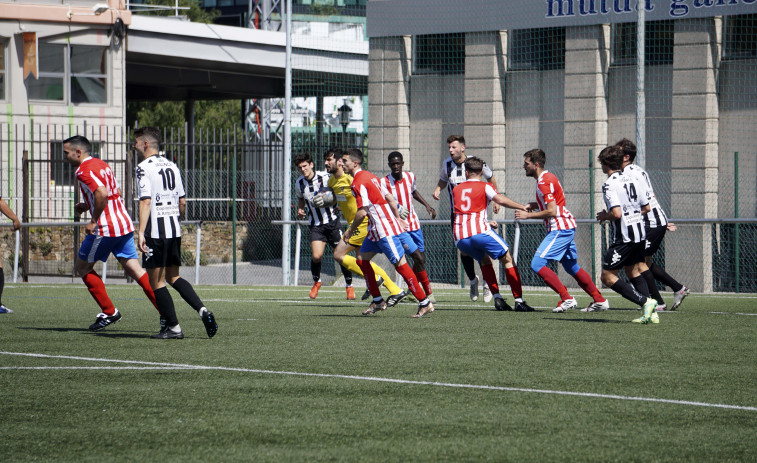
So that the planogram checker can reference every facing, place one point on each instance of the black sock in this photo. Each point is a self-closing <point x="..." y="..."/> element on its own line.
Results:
<point x="662" y="276"/>
<point x="627" y="291"/>
<point x="347" y="275"/>
<point x="640" y="284"/>
<point x="2" y="284"/>
<point x="652" y="286"/>
<point x="187" y="292"/>
<point x="165" y="304"/>
<point x="315" y="269"/>
<point x="467" y="262"/>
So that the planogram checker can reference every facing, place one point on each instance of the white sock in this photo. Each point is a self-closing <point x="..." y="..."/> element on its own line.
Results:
<point x="202" y="311"/>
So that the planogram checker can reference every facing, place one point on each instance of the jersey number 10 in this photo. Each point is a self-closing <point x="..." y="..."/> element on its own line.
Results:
<point x="169" y="178"/>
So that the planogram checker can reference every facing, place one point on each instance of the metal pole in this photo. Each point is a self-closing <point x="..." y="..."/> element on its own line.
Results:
<point x="15" y="257"/>
<point x="736" y="235"/>
<point x="287" y="171"/>
<point x="591" y="214"/>
<point x="234" y="212"/>
<point x="297" y="247"/>
<point x="640" y="101"/>
<point x="198" y="239"/>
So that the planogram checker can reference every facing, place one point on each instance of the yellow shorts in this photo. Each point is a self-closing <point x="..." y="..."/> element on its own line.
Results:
<point x="358" y="237"/>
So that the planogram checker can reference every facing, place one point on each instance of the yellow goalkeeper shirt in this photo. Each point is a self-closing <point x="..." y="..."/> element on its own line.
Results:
<point x="342" y="188"/>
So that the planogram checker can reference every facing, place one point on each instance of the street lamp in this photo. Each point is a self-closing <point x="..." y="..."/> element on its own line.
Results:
<point x="344" y="118"/>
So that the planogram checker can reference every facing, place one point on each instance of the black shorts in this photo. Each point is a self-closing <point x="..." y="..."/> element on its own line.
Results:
<point x="623" y="254"/>
<point x="162" y="252"/>
<point x="329" y="233"/>
<point x="654" y="239"/>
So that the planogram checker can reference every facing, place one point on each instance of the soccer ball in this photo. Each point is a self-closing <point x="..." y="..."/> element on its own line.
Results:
<point x="328" y="196"/>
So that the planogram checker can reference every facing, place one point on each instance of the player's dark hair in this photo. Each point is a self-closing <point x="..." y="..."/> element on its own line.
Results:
<point x="395" y="155"/>
<point x="303" y="157"/>
<point x="458" y="138"/>
<point x="537" y="156"/>
<point x="628" y="147"/>
<point x="152" y="134"/>
<point x="333" y="151"/>
<point x="356" y="155"/>
<point x="474" y="165"/>
<point x="80" y="142"/>
<point x="612" y="157"/>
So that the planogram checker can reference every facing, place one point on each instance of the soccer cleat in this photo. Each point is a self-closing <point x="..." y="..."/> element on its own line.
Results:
<point x="163" y="325"/>
<point x="649" y="309"/>
<point x="654" y="318"/>
<point x="169" y="334"/>
<point x="209" y="320"/>
<point x="314" y="290"/>
<point x="375" y="307"/>
<point x="597" y="306"/>
<point x="424" y="309"/>
<point x="367" y="292"/>
<point x="662" y="307"/>
<point x="431" y="298"/>
<point x="487" y="294"/>
<point x="104" y="320"/>
<point x="394" y="299"/>
<point x="523" y="307"/>
<point x="679" y="296"/>
<point x="350" y="293"/>
<point x="474" y="289"/>
<point x="565" y="305"/>
<point x="501" y="305"/>
<point x="4" y="309"/>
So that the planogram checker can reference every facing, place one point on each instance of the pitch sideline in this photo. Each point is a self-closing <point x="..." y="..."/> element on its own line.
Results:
<point x="378" y="379"/>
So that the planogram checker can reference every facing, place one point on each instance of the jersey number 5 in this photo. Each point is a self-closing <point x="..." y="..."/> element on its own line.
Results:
<point x="465" y="199"/>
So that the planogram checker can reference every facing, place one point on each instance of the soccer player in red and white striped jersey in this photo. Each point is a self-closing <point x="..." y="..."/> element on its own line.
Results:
<point x="474" y="236"/>
<point x="386" y="233"/>
<point x="560" y="243"/>
<point x="109" y="231"/>
<point x="402" y="186"/>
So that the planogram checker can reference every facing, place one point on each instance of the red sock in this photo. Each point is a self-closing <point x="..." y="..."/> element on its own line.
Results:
<point x="370" y="277"/>
<point x="487" y="271"/>
<point x="513" y="279"/>
<point x="144" y="282"/>
<point x="584" y="281"/>
<point x="97" y="290"/>
<point x="423" y="278"/>
<point x="411" y="280"/>
<point x="550" y="278"/>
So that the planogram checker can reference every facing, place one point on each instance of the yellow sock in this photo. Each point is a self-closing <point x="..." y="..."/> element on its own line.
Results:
<point x="351" y="263"/>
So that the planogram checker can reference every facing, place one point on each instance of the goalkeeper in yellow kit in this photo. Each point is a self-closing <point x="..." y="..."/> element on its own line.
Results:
<point x="340" y="183"/>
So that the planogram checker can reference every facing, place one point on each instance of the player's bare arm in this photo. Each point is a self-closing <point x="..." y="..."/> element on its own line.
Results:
<point x="438" y="190"/>
<point x="495" y="206"/>
<point x="549" y="211"/>
<point x="182" y="207"/>
<point x="144" y="217"/>
<point x="430" y="210"/>
<point x="301" y="208"/>
<point x="614" y="214"/>
<point x="503" y="200"/>
<point x="101" y="201"/>
<point x="8" y="212"/>
<point x="395" y="210"/>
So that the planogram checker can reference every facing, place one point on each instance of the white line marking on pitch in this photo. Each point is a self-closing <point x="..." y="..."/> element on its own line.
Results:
<point x="736" y="313"/>
<point x="390" y="380"/>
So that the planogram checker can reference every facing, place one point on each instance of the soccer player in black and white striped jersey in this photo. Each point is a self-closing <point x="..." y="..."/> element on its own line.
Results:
<point x="324" y="221"/>
<point x="656" y="224"/>
<point x="161" y="204"/>
<point x="626" y="202"/>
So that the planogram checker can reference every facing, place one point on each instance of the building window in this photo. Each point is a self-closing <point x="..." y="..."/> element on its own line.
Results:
<point x="537" y="49"/>
<point x="76" y="74"/>
<point x="658" y="43"/>
<point x="2" y="69"/>
<point x="740" y="33"/>
<point x="439" y="54"/>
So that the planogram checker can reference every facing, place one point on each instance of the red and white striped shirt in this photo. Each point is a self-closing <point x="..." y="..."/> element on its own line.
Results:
<point x="114" y="221"/>
<point x="549" y="189"/>
<point x="368" y="192"/>
<point x="470" y="201"/>
<point x="403" y="190"/>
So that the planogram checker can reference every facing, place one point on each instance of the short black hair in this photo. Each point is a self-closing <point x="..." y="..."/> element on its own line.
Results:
<point x="395" y="155"/>
<point x="151" y="133"/>
<point x="628" y="147"/>
<point x="303" y="157"/>
<point x="78" y="141"/>
<point x="356" y="155"/>
<point x="333" y="151"/>
<point x="537" y="156"/>
<point x="612" y="157"/>
<point x="474" y="165"/>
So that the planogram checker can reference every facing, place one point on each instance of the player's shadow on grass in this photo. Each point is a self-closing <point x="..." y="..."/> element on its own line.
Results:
<point x="586" y="320"/>
<point x="110" y="334"/>
<point x="60" y="330"/>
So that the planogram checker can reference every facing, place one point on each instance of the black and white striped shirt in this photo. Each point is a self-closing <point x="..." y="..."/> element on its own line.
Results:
<point x="160" y="180"/>
<point x="306" y="189"/>
<point x="656" y="217"/>
<point x="454" y="174"/>
<point x="624" y="191"/>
